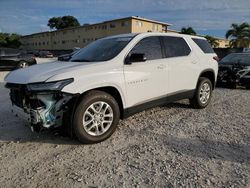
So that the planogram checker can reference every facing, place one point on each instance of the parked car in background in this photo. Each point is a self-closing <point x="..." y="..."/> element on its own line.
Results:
<point x="45" y="54"/>
<point x="33" y="52"/>
<point x="67" y="57"/>
<point x="11" y="59"/>
<point x="113" y="78"/>
<point x="234" y="70"/>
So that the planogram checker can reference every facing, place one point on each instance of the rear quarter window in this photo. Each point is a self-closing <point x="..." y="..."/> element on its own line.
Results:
<point x="204" y="45"/>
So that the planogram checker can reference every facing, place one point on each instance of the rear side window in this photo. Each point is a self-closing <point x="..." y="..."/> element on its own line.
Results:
<point x="149" y="46"/>
<point x="175" y="47"/>
<point x="204" y="45"/>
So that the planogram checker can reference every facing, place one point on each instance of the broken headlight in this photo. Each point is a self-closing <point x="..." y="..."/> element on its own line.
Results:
<point x="49" y="86"/>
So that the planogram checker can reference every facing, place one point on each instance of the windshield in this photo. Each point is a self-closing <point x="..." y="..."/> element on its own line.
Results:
<point x="236" y="58"/>
<point x="101" y="50"/>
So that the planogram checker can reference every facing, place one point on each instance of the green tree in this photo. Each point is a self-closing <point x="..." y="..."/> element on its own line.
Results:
<point x="213" y="41"/>
<point x="239" y="35"/>
<point x="188" y="31"/>
<point x="10" y="40"/>
<point x="63" y="22"/>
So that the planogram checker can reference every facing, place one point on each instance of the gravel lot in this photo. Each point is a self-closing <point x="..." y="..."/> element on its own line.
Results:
<point x="168" y="146"/>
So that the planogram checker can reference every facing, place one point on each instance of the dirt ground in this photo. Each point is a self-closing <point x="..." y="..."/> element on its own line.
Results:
<point x="169" y="146"/>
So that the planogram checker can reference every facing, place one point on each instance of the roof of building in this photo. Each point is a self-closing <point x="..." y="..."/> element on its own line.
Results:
<point x="140" y="18"/>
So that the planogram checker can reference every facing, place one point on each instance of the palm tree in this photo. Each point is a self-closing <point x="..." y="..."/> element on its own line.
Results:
<point x="188" y="30"/>
<point x="213" y="41"/>
<point x="239" y="35"/>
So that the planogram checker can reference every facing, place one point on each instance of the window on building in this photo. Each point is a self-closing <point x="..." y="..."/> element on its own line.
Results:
<point x="155" y="27"/>
<point x="124" y="23"/>
<point x="104" y="27"/>
<point x="63" y="41"/>
<point x="43" y="43"/>
<point x="112" y="25"/>
<point x="149" y="46"/>
<point x="139" y="23"/>
<point x="175" y="47"/>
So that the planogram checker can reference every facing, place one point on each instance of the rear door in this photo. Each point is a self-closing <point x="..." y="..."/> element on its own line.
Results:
<point x="182" y="64"/>
<point x="146" y="81"/>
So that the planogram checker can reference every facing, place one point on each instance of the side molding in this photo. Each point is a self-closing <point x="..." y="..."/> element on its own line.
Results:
<point x="154" y="103"/>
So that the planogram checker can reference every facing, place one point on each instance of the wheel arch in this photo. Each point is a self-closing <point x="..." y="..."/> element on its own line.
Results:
<point x="114" y="92"/>
<point x="210" y="74"/>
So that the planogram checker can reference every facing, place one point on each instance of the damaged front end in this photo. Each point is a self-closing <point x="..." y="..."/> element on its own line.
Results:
<point x="43" y="104"/>
<point x="233" y="75"/>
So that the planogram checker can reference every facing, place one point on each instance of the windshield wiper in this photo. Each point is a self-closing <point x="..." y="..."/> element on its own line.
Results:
<point x="80" y="60"/>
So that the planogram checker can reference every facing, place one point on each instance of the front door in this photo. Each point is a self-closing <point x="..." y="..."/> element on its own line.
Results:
<point x="146" y="81"/>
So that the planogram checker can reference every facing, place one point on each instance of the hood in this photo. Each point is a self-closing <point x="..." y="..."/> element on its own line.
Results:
<point x="41" y="72"/>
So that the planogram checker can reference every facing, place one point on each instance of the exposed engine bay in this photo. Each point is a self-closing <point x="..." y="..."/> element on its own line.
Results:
<point x="43" y="109"/>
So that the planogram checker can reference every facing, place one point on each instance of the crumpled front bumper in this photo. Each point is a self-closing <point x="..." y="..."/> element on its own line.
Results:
<point x="41" y="109"/>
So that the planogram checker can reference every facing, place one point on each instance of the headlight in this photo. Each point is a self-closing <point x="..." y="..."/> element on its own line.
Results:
<point x="49" y="86"/>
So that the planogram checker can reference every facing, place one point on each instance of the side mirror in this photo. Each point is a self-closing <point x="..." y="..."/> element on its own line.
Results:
<point x="136" y="57"/>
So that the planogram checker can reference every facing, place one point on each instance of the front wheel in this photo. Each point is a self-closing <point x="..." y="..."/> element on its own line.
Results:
<point x="96" y="117"/>
<point x="203" y="93"/>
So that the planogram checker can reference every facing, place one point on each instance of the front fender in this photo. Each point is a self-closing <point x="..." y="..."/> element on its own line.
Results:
<point x="80" y="86"/>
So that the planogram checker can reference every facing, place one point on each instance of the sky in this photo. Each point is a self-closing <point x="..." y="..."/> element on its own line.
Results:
<point x="207" y="17"/>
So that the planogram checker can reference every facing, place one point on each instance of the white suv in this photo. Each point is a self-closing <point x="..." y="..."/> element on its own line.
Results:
<point x="111" y="79"/>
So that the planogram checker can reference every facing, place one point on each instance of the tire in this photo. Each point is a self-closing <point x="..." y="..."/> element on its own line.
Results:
<point x="197" y="101"/>
<point x="23" y="64"/>
<point x="92" y="125"/>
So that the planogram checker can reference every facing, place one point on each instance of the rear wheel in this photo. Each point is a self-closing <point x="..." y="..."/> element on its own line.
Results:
<point x="96" y="117"/>
<point x="203" y="93"/>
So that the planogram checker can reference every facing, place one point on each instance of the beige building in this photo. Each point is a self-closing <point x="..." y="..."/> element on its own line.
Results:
<point x="69" y="38"/>
<point x="223" y="43"/>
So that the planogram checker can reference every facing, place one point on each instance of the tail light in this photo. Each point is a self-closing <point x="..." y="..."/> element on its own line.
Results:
<point x="216" y="58"/>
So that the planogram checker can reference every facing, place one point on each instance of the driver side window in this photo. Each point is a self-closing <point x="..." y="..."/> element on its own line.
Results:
<point x="149" y="46"/>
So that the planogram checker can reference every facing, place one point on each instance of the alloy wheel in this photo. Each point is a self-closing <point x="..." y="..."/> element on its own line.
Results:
<point x="98" y="118"/>
<point x="205" y="93"/>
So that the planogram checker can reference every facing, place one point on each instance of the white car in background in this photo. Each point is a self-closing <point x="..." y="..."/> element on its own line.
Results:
<point x="113" y="78"/>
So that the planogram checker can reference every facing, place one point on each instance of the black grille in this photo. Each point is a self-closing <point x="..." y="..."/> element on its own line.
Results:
<point x="16" y="93"/>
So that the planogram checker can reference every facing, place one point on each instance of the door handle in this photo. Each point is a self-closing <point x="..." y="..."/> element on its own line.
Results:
<point x="161" y="66"/>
